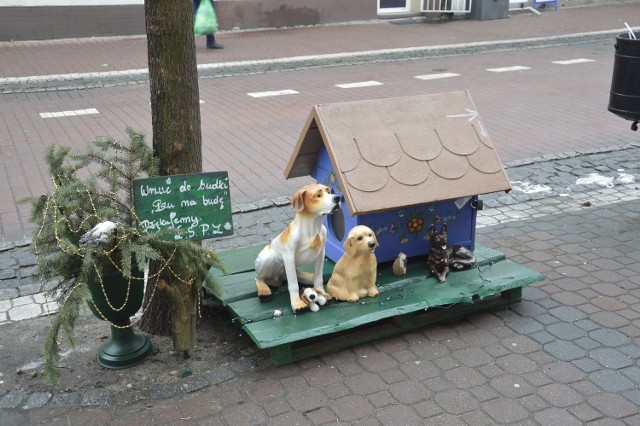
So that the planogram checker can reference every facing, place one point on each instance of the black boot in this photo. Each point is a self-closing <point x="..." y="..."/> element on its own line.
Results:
<point x="213" y="45"/>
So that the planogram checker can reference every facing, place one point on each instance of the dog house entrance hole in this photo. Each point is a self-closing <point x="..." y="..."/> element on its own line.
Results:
<point x="337" y="224"/>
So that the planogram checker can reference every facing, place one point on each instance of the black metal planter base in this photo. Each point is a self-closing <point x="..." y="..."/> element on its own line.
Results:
<point x="125" y="349"/>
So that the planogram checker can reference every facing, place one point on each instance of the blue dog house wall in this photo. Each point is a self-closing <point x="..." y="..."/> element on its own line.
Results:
<point x="400" y="165"/>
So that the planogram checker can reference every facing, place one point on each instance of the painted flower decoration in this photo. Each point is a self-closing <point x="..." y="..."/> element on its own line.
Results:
<point x="415" y="225"/>
<point x="392" y="228"/>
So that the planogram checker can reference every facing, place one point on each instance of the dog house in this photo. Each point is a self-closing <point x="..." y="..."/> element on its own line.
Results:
<point x="400" y="164"/>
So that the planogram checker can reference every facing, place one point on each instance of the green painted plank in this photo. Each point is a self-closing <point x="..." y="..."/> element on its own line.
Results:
<point x="237" y="260"/>
<point x="407" y="295"/>
<point x="240" y="284"/>
<point x="290" y="352"/>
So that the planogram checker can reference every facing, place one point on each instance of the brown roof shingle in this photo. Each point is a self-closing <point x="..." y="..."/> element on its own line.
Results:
<point x="399" y="152"/>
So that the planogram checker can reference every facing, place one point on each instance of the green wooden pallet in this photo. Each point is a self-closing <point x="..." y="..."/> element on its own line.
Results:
<point x="404" y="303"/>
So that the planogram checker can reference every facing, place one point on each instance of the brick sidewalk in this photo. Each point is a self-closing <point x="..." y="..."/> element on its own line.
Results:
<point x="57" y="57"/>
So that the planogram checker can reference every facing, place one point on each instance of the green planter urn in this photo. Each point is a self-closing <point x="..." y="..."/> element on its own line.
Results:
<point x="115" y="299"/>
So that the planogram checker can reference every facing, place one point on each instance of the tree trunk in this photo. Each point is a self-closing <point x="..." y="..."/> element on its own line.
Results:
<point x="175" y="115"/>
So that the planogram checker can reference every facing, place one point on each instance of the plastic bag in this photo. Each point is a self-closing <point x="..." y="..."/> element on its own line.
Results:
<point x="205" y="21"/>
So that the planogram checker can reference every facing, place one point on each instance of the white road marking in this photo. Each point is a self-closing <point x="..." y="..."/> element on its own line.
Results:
<point x="437" y="76"/>
<point x="508" y="69"/>
<point x="272" y="93"/>
<point x="69" y="113"/>
<point x="573" y="61"/>
<point x="359" y="84"/>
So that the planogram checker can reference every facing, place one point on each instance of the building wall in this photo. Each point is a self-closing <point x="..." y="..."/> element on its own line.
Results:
<point x="51" y="19"/>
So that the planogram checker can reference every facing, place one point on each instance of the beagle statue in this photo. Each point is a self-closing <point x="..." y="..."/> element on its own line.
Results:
<point x="354" y="276"/>
<point x="301" y="243"/>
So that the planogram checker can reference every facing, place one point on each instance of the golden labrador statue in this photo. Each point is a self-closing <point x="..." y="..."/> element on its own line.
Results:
<point x="354" y="276"/>
<point x="301" y="243"/>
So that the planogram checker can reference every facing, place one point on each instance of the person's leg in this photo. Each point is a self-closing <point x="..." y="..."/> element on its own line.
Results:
<point x="211" y="38"/>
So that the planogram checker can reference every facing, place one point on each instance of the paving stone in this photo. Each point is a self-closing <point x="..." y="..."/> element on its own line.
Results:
<point x="464" y="377"/>
<point x="565" y="351"/>
<point x="537" y="378"/>
<point x="533" y="403"/>
<point x="484" y="393"/>
<point x="564" y="372"/>
<point x="566" y="331"/>
<point x="612" y="406"/>
<point x="393" y="376"/>
<point x="567" y="313"/>
<point x="245" y="414"/>
<point x="420" y="370"/>
<point x="427" y="409"/>
<point x="445" y="419"/>
<point x="610" y="319"/>
<point x="352" y="407"/>
<point x="556" y="416"/>
<point x="36" y="400"/>
<point x="6" y="274"/>
<point x="511" y="386"/>
<point x="308" y="399"/>
<point x="5" y="305"/>
<point x="611" y="380"/>
<point x="97" y="398"/>
<point x="23" y="256"/>
<point x="587" y="343"/>
<point x="13" y="399"/>
<point x="21" y="301"/>
<point x="585" y="413"/>
<point x="472" y="357"/>
<point x="456" y="401"/>
<point x="610" y="358"/>
<point x="542" y="337"/>
<point x="505" y="411"/>
<point x="398" y="415"/>
<point x="29" y="289"/>
<point x="161" y="391"/>
<point x="587" y="365"/>
<point x="516" y="364"/>
<point x="64" y="399"/>
<point x="365" y="383"/>
<point x="22" y="312"/>
<point x="13" y="283"/>
<point x="546" y="319"/>
<point x="8" y="293"/>
<point x="560" y="395"/>
<point x="409" y="392"/>
<point x="632" y="350"/>
<point x="611" y="338"/>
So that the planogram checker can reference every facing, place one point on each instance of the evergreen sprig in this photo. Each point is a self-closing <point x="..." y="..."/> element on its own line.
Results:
<point x="76" y="205"/>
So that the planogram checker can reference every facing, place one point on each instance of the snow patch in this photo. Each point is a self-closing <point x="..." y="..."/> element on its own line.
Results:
<point x="626" y="178"/>
<point x="606" y="181"/>
<point x="529" y="188"/>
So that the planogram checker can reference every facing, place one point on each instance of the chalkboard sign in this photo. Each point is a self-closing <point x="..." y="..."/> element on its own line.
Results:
<point x="198" y="204"/>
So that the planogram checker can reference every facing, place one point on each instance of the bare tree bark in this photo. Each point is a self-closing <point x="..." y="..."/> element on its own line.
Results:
<point x="177" y="141"/>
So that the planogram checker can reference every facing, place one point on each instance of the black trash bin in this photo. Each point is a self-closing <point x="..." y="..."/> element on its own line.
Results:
<point x="488" y="9"/>
<point x="624" y="98"/>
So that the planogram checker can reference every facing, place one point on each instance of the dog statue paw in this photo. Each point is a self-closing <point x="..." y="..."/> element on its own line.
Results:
<point x="313" y="298"/>
<point x="298" y="305"/>
<point x="354" y="276"/>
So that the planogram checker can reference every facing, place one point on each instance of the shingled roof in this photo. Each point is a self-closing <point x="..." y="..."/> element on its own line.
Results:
<point x="400" y="152"/>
